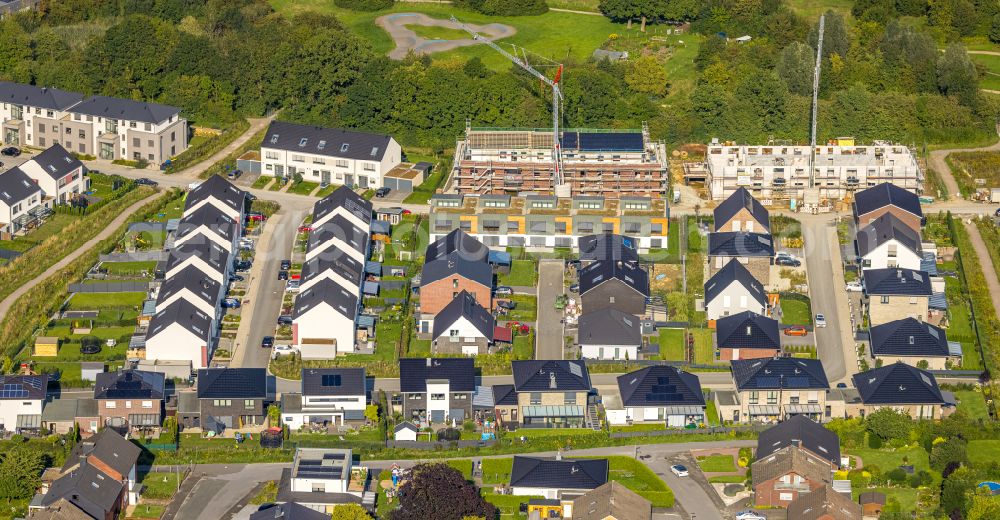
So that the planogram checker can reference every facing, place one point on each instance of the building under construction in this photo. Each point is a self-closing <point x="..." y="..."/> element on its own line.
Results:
<point x="607" y="163"/>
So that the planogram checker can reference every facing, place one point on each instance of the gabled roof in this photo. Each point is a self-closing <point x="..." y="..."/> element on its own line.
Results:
<point x="747" y="330"/>
<point x="628" y="273"/>
<point x="457" y="241"/>
<point x="415" y="372"/>
<point x="331" y="142"/>
<point x="15" y="186"/>
<point x="740" y="243"/>
<point x="326" y="292"/>
<point x="883" y="229"/>
<point x="546" y="473"/>
<point x="23" y="387"/>
<point x="799" y="430"/>
<point x="741" y="199"/>
<point x="212" y="218"/>
<point x="87" y="488"/>
<point x="791" y="459"/>
<point x="41" y="97"/>
<point x="211" y="253"/>
<point x="734" y="272"/>
<point x="184" y="314"/>
<point x="456" y="263"/>
<point x="896" y="281"/>
<point x="56" y="161"/>
<point x="908" y="337"/>
<point x="554" y="375"/>
<point x="886" y="194"/>
<point x="504" y="395"/>
<point x="107" y="446"/>
<point x="898" y="383"/>
<point x="660" y="385"/>
<point x="343" y="197"/>
<point x="340" y="227"/>
<point x="464" y="306"/>
<point x="61" y="509"/>
<point x="333" y="381"/>
<point x="611" y="500"/>
<point x="609" y="326"/>
<point x="129" y="384"/>
<point x="125" y="109"/>
<point x="232" y="383"/>
<point x="333" y="260"/>
<point x="289" y="511"/>
<point x="195" y="281"/>
<point x="824" y="503"/>
<point x="607" y="246"/>
<point x="219" y="188"/>
<point x="405" y="425"/>
<point x="779" y="372"/>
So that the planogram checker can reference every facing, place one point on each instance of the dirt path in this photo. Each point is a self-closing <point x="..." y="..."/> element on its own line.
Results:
<point x="937" y="162"/>
<point x="407" y="41"/>
<point x="986" y="263"/>
<point x="195" y="170"/>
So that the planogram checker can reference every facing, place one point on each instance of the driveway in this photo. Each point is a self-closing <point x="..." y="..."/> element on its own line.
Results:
<point x="549" y="328"/>
<point x="693" y="492"/>
<point x="221" y="487"/>
<point x="828" y="297"/>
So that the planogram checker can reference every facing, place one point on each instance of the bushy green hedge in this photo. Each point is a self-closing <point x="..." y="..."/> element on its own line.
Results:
<point x="204" y="149"/>
<point x="505" y="7"/>
<point x="364" y="5"/>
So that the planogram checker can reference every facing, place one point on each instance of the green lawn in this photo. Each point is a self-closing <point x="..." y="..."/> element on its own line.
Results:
<point x="990" y="67"/>
<point x="91" y="301"/>
<point x="985" y="450"/>
<point x="509" y="506"/>
<point x="727" y="479"/>
<point x="639" y="478"/>
<point x="810" y="10"/>
<point x="704" y="352"/>
<point x="303" y="188"/>
<point x="128" y="268"/>
<point x="672" y="344"/>
<point x="262" y="182"/>
<point x="422" y="193"/>
<point x="716" y="463"/>
<point x="464" y="466"/>
<point x="438" y="33"/>
<point x="160" y="484"/>
<point x="906" y="496"/>
<point x="795" y="311"/>
<point x="148" y="511"/>
<point x="522" y="273"/>
<point x="887" y="459"/>
<point x="327" y="190"/>
<point x="524" y="347"/>
<point x="497" y="471"/>
<point x="526" y="310"/>
<point x="973" y="403"/>
<point x="52" y="225"/>
<point x="174" y="211"/>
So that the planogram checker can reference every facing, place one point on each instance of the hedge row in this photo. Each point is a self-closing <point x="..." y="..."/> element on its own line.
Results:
<point x="202" y="150"/>
<point x="987" y="326"/>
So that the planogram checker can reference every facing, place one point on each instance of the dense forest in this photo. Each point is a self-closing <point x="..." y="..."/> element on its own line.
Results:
<point x="884" y="75"/>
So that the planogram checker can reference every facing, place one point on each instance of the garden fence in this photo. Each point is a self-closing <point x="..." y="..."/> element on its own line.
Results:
<point x="433" y="445"/>
<point x="714" y="429"/>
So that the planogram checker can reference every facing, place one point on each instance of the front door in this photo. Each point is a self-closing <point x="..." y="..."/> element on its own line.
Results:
<point x="325" y="177"/>
<point x="348" y="180"/>
<point x="107" y="151"/>
<point x="12" y="137"/>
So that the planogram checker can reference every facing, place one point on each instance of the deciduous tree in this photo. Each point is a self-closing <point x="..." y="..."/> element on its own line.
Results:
<point x="887" y="424"/>
<point x="957" y="75"/>
<point x="441" y="492"/>
<point x="349" y="512"/>
<point x="647" y="76"/>
<point x="21" y="469"/>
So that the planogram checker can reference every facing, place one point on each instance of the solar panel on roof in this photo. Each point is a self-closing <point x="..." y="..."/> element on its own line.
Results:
<point x="767" y="382"/>
<point x="798" y="382"/>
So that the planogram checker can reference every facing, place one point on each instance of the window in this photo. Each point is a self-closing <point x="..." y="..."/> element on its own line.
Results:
<point x="83" y="135"/>
<point x="69" y="131"/>
<point x="147" y="404"/>
<point x="298" y="158"/>
<point x="343" y="147"/>
<point x="274" y="139"/>
<point x="491" y="203"/>
<point x="319" y="160"/>
<point x="569" y="398"/>
<point x="271" y="155"/>
<point x="248" y="404"/>
<point x="772" y="398"/>
<point x="41" y="128"/>
<point x="319" y="487"/>
<point x="611" y="299"/>
<point x="149" y="142"/>
<point x="369" y="167"/>
<point x="148" y="127"/>
<point x="341" y="163"/>
<point x="885" y="299"/>
<point x="636" y="205"/>
<point x="437" y="397"/>
<point x="589" y="205"/>
<point x="321" y="145"/>
<point x="536" y="398"/>
<point x="561" y="228"/>
<point x="131" y="124"/>
<point x="135" y="142"/>
<point x="656" y="229"/>
<point x="173" y="136"/>
<point x="460" y="396"/>
<point x="754" y="398"/>
<point x="110" y="405"/>
<point x="128" y="404"/>
<point x="223" y="402"/>
<point x="303" y="141"/>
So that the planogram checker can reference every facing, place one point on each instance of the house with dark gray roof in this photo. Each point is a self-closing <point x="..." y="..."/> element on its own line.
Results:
<point x="435" y="390"/>
<point x="742" y="212"/>
<point x="21" y="204"/>
<point x="289" y="511"/>
<point x="24" y="107"/>
<point x="552" y="393"/>
<point x="911" y="341"/>
<point x="657" y="394"/>
<point x="614" y="284"/>
<point x="609" y="333"/>
<point x="754" y="250"/>
<point x="340" y="233"/>
<point x="876" y="201"/>
<point x="608" y="246"/>
<point x="208" y="257"/>
<point x="463" y="327"/>
<point x="747" y="335"/>
<point x="22" y="401"/>
<point x="218" y="192"/>
<point x="343" y="201"/>
<point x="181" y="332"/>
<point x="825" y="503"/>
<point x="130" y="399"/>
<point x="896" y="293"/>
<point x="453" y="263"/>
<point x="58" y="173"/>
<point x="788" y="473"/>
<point x="328" y="155"/>
<point x="888" y="242"/>
<point x="343" y="269"/>
<point x="904" y="388"/>
<point x="324" y="320"/>
<point x="193" y="286"/>
<point x="206" y="224"/>
<point x="611" y="501"/>
<point x="734" y="289"/>
<point x="232" y="397"/>
<point x="771" y="390"/>
<point x="327" y="397"/>
<point x="554" y="478"/>
<point x="803" y="433"/>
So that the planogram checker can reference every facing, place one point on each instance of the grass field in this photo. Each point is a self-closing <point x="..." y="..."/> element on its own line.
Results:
<point x="438" y="33"/>
<point x="973" y="403"/>
<point x="121" y="268"/>
<point x="497" y="471"/>
<point x="522" y="272"/>
<point x="985" y="450"/>
<point x="795" y="312"/>
<point x="672" y="344"/>
<point x="811" y="9"/>
<point x="968" y="167"/>
<point x="303" y="188"/>
<point x="989" y="67"/>
<point x="716" y="463"/>
<point x="888" y="460"/>
<point x="526" y="310"/>
<point x="704" y="353"/>
<point x="52" y="225"/>
<point x="160" y="485"/>
<point x="86" y="301"/>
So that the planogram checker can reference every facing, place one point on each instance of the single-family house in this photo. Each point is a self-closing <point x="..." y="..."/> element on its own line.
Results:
<point x="805" y="434"/>
<point x="345" y="202"/>
<point x="786" y="474"/>
<point x="911" y="341"/>
<point x="20" y="202"/>
<point x="181" y="332"/>
<point x="130" y="398"/>
<point x="343" y="269"/>
<point x="192" y="285"/>
<point x="554" y="478"/>
<point x="321" y="479"/>
<point x="210" y="258"/>
<point x="742" y="212"/>
<point x="232" y="397"/>
<point x="903" y="388"/>
<point x="552" y="393"/>
<point x="825" y="503"/>
<point x="289" y="511"/>
<point x="340" y="233"/>
<point x="61" y="509"/>
<point x="658" y="394"/>
<point x="609" y="333"/>
<point x="453" y="263"/>
<point x="327" y="397"/>
<point x="436" y="390"/>
<point x="58" y="173"/>
<point x="733" y="289"/>
<point x="323" y="321"/>
<point x="747" y="335"/>
<point x="216" y="191"/>
<point x="614" y="284"/>
<point x="610" y="501"/>
<point x="208" y="223"/>
<point x="895" y="294"/>
<point x="885" y="198"/>
<point x="888" y="242"/>
<point x="22" y="399"/>
<point x="608" y="246"/>
<point x="754" y="250"/>
<point x="463" y="327"/>
<point x="771" y="390"/>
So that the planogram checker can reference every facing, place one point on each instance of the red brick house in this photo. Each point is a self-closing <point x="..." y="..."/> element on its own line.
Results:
<point x="454" y="263"/>
<point x="783" y="476"/>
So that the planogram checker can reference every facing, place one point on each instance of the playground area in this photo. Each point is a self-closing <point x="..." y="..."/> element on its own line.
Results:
<point x="428" y="42"/>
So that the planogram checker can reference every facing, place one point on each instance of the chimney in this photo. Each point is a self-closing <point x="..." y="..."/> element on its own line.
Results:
<point x="428" y="361"/>
<point x="749" y="331"/>
<point x="552" y="380"/>
<point x="559" y="455"/>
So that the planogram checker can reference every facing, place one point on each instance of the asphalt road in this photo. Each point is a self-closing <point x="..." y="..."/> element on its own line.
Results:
<point x="825" y="288"/>
<point x="549" y="331"/>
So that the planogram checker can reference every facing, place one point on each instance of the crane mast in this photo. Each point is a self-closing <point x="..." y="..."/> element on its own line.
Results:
<point x="556" y="96"/>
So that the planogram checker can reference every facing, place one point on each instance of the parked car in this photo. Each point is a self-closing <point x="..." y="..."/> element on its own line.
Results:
<point x="841" y="385"/>
<point x="820" y="320"/>
<point x="282" y="275"/>
<point x="267" y="342"/>
<point x="236" y="278"/>
<point x="282" y="350"/>
<point x="796" y="330"/>
<point x="574" y="288"/>
<point x="750" y="515"/>
<point x="854" y="287"/>
<point x="255" y="217"/>
<point x="234" y="174"/>
<point x="242" y="265"/>
<point x="231" y="303"/>
<point x="284" y="319"/>
<point x="679" y="470"/>
<point x="286" y="265"/>
<point x="786" y="261"/>
<point x="504" y="290"/>
<point x="382" y="192"/>
<point x="144" y="181"/>
<point x="506" y="304"/>
<point x="293" y="286"/>
<point x="11" y="151"/>
<point x="305" y="229"/>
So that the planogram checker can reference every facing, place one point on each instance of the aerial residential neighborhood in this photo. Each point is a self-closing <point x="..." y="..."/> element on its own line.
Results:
<point x="523" y="260"/>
